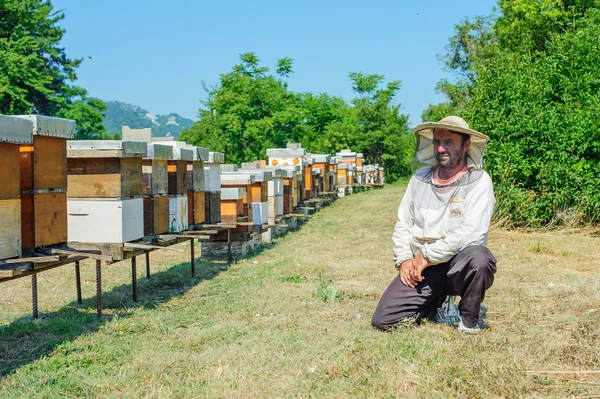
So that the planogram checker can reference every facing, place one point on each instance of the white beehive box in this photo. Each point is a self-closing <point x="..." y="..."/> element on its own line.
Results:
<point x="178" y="213"/>
<point x="105" y="221"/>
<point x="212" y="172"/>
<point x="260" y="213"/>
<point x="285" y="156"/>
<point x="212" y="178"/>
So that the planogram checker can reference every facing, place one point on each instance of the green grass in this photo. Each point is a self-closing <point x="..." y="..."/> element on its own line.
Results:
<point x="294" y="321"/>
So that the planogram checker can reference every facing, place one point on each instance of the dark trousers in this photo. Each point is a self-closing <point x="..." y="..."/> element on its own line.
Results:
<point x="468" y="274"/>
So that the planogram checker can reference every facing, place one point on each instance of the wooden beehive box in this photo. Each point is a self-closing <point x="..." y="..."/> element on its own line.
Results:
<point x="155" y="173"/>
<point x="232" y="204"/>
<point x="245" y="181"/>
<point x="260" y="194"/>
<point x="322" y="163"/>
<point x="342" y="180"/>
<point x="44" y="162"/>
<point x="105" y="168"/>
<point x="307" y="180"/>
<point x="213" y="207"/>
<point x="276" y="190"/>
<point x="195" y="169"/>
<point x="13" y="133"/>
<point x="350" y="176"/>
<point x="359" y="160"/>
<point x="155" y="178"/>
<point x="178" y="171"/>
<point x="104" y="203"/>
<point x="43" y="179"/>
<point x="156" y="215"/>
<point x="196" y="207"/>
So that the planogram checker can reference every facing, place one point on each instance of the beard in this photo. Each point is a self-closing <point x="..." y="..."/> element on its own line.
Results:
<point x="449" y="159"/>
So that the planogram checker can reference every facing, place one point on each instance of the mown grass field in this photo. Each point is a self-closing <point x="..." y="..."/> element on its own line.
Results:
<point x="294" y="321"/>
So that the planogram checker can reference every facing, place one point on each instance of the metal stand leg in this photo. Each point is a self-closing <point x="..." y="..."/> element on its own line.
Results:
<point x="99" y="288"/>
<point x="229" y="254"/>
<point x="148" y="265"/>
<point x="134" y="278"/>
<point x="34" y="297"/>
<point x="193" y="257"/>
<point x="78" y="282"/>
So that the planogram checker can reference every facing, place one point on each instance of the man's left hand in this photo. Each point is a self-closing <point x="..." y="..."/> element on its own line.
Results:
<point x="419" y="264"/>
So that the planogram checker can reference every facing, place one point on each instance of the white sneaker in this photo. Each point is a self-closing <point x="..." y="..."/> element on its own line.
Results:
<point x="468" y="330"/>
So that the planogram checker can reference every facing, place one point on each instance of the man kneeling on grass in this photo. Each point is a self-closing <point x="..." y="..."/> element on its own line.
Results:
<point x="440" y="238"/>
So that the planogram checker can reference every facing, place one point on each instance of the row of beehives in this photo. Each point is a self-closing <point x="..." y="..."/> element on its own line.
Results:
<point x="57" y="191"/>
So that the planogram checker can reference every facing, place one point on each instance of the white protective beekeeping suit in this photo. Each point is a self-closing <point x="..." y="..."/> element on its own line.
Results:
<point x="440" y="221"/>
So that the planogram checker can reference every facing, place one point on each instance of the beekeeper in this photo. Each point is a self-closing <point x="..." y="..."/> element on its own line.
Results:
<point x="440" y="238"/>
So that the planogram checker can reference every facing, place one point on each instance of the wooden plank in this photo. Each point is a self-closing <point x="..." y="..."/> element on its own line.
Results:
<point x="90" y="255"/>
<point x="10" y="159"/>
<point x="11" y="270"/>
<point x="197" y="237"/>
<point x="10" y="228"/>
<point x="34" y="259"/>
<point x="146" y="246"/>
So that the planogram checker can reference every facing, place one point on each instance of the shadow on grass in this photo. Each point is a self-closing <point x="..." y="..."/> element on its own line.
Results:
<point x="26" y="340"/>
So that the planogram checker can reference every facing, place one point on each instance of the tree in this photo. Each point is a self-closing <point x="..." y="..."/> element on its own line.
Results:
<point x="248" y="112"/>
<point x="251" y="110"/>
<point x="35" y="73"/>
<point x="528" y="78"/>
<point x="382" y="131"/>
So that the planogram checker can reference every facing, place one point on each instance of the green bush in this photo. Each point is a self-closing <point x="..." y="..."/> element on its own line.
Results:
<point x="542" y="112"/>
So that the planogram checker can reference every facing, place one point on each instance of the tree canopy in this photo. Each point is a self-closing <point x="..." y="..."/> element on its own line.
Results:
<point x="528" y="77"/>
<point x="36" y="76"/>
<point x="251" y="110"/>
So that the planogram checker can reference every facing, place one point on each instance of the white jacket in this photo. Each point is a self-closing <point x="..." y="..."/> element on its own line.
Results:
<point x="440" y="221"/>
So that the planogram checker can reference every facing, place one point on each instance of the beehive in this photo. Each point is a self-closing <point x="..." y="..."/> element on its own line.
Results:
<point x="195" y="185"/>
<point x="212" y="187"/>
<point x="13" y="132"/>
<point x="232" y="204"/>
<point x="245" y="181"/>
<point x="260" y="194"/>
<point x="105" y="203"/>
<point x="43" y="166"/>
<point x="156" y="188"/>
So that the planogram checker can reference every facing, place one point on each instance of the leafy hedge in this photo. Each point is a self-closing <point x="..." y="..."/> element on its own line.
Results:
<point x="542" y="112"/>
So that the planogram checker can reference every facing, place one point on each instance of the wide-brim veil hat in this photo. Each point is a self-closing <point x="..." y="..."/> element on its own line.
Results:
<point x="424" y="133"/>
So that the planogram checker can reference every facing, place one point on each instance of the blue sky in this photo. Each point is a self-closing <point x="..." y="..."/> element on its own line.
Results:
<point x="156" y="54"/>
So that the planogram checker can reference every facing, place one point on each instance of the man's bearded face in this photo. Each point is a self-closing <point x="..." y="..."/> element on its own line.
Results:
<point x="449" y="148"/>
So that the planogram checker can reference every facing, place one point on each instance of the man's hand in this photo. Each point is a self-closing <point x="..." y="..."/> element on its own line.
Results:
<point x="419" y="264"/>
<point x="406" y="273"/>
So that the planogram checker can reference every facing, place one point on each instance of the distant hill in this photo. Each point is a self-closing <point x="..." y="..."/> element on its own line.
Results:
<point x="123" y="114"/>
